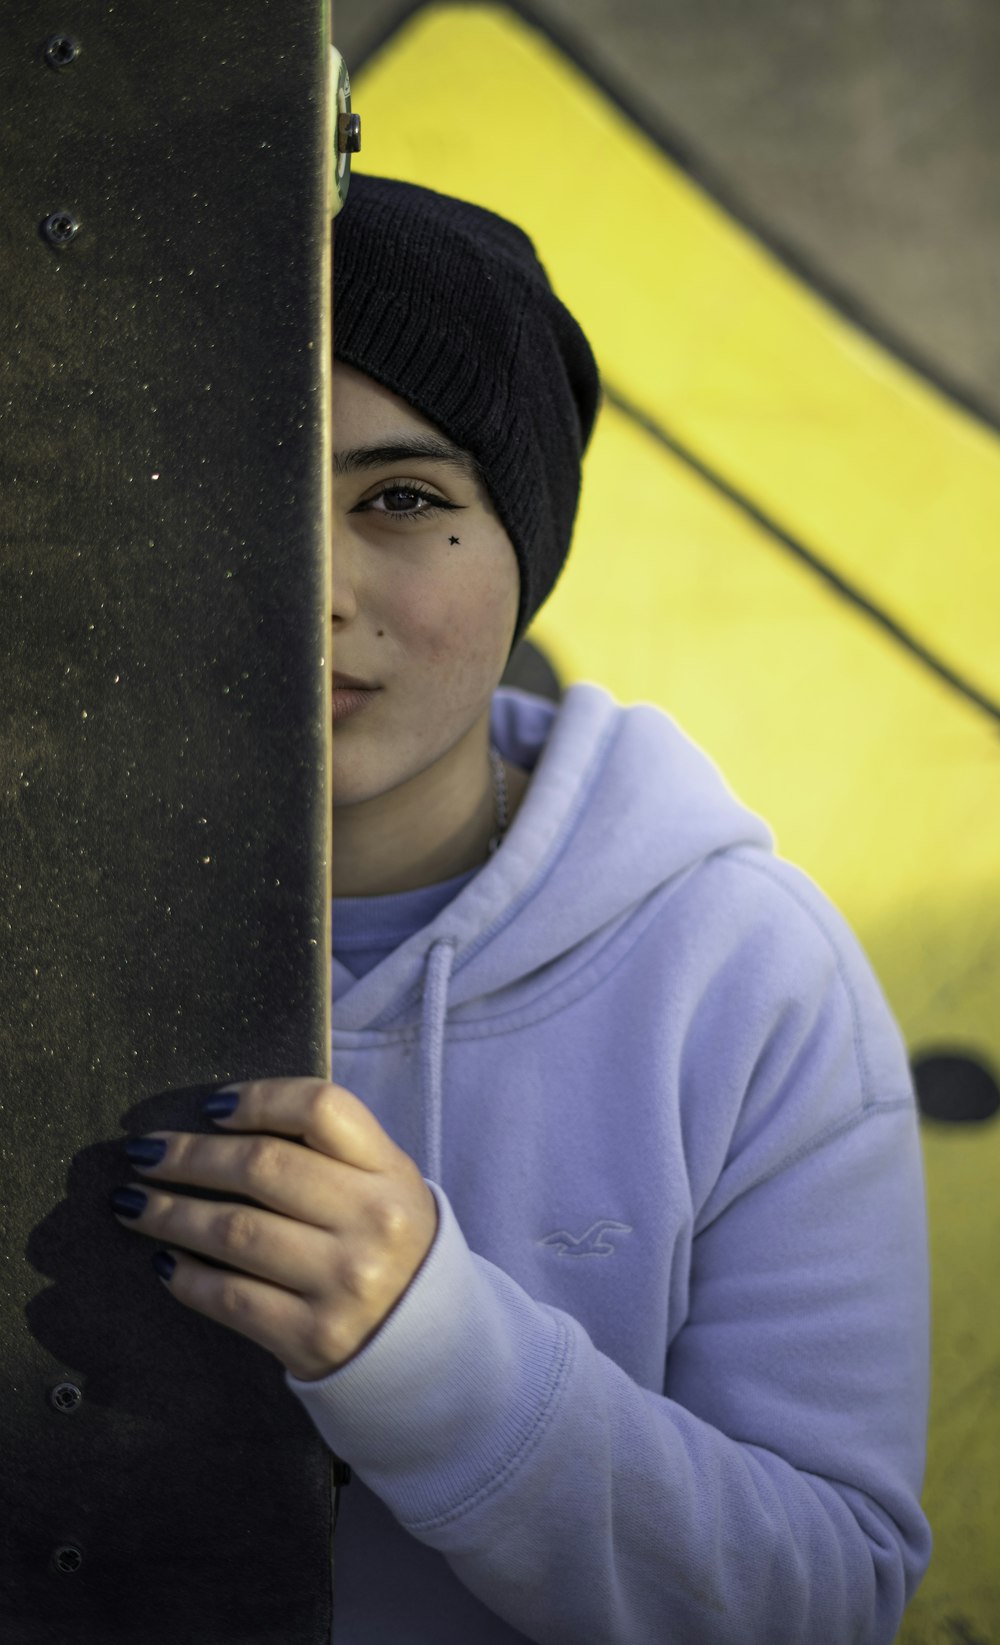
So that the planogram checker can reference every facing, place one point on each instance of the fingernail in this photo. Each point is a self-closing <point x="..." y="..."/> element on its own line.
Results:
<point x="164" y="1263"/>
<point x="146" y="1150"/>
<point x="220" y="1104"/>
<point x="129" y="1202"/>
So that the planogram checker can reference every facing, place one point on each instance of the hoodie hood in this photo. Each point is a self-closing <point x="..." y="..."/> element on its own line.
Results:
<point x="621" y="803"/>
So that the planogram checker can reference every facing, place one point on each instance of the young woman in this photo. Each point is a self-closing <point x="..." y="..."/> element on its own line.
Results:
<point x="605" y="1266"/>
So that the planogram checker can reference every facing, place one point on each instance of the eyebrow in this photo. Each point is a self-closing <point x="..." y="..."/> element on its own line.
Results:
<point x="425" y="447"/>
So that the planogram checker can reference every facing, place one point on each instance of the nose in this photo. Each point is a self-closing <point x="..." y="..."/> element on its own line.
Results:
<point x="344" y="565"/>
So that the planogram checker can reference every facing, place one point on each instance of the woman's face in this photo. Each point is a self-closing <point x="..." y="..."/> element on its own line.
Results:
<point x="426" y="608"/>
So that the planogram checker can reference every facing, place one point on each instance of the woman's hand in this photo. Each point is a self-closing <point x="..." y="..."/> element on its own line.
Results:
<point x="348" y="1221"/>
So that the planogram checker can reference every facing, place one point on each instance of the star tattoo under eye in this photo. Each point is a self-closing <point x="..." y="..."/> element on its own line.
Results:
<point x="453" y="539"/>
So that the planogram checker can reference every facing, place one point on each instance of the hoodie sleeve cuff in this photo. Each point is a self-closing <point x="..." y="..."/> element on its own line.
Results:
<point x="448" y="1393"/>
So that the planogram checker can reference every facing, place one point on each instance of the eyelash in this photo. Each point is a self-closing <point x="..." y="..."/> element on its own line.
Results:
<point x="414" y="514"/>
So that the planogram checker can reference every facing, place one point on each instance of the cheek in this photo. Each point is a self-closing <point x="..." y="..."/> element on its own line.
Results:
<point x="458" y="621"/>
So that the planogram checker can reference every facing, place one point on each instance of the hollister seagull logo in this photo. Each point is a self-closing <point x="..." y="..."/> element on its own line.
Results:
<point x="590" y="1244"/>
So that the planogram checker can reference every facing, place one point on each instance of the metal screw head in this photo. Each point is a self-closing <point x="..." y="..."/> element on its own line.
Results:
<point x="67" y="1557"/>
<point x="349" y="134"/>
<point x="60" y="228"/>
<point x="65" y="1396"/>
<point x="61" y="50"/>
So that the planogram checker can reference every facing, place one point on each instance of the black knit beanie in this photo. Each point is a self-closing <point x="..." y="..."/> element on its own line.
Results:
<point x="447" y="304"/>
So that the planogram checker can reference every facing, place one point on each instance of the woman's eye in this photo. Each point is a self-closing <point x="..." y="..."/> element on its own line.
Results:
<point x="407" y="493"/>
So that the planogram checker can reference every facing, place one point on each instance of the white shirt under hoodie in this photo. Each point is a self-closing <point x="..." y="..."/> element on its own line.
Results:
<point x="663" y="1377"/>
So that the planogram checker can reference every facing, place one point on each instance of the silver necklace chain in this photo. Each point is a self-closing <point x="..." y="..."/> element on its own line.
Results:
<point x="500" y="803"/>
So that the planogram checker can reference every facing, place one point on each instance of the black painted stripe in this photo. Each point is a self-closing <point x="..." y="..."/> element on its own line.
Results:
<point x="795" y="546"/>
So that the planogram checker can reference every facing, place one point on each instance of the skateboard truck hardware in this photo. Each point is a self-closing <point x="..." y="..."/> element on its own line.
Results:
<point x="348" y="131"/>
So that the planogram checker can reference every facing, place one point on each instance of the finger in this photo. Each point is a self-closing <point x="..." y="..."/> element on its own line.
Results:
<point x="327" y="1117"/>
<point x="276" y="1319"/>
<point x="297" y="1182"/>
<point x="290" y="1254"/>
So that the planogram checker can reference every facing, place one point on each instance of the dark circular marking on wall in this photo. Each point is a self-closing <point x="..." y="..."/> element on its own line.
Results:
<point x="954" y="1087"/>
<point x="961" y="1632"/>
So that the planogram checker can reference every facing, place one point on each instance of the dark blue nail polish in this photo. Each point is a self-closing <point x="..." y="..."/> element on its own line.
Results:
<point x="129" y="1202"/>
<point x="164" y="1263"/>
<point x="220" y="1104"/>
<point x="146" y="1150"/>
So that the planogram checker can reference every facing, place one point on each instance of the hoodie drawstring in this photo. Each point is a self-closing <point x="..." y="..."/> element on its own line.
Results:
<point x="440" y="959"/>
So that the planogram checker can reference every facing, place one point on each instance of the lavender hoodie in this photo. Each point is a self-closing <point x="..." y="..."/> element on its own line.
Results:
<point x="663" y="1377"/>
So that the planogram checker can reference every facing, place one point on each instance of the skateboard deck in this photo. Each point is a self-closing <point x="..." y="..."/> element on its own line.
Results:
<point x="169" y="178"/>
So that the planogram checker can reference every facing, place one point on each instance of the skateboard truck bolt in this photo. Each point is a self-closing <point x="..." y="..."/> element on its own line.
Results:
<point x="61" y="50"/>
<point x="60" y="228"/>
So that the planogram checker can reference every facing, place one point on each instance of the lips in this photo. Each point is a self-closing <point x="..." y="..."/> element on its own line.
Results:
<point x="349" y="682"/>
<point x="348" y="700"/>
